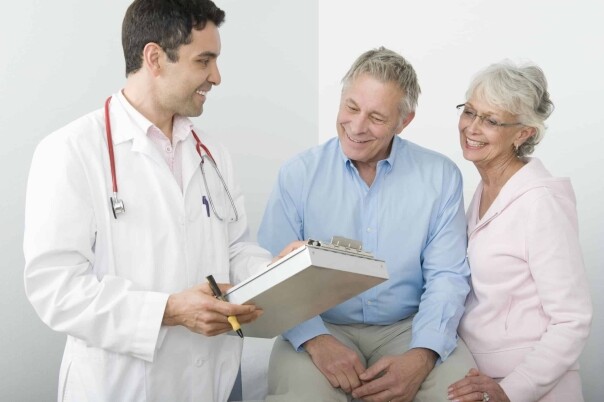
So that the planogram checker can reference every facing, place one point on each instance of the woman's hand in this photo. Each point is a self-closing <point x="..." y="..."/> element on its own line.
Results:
<point x="476" y="387"/>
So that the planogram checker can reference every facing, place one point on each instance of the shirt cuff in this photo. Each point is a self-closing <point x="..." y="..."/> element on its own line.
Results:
<point x="305" y="331"/>
<point x="440" y="343"/>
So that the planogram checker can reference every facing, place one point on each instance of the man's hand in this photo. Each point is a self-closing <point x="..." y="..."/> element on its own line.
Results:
<point x="473" y="387"/>
<point x="338" y="363"/>
<point x="199" y="311"/>
<point x="396" y="378"/>
<point x="288" y="249"/>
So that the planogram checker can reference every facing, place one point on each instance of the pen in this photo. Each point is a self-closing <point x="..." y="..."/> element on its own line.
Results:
<point x="232" y="319"/>
<point x="205" y="202"/>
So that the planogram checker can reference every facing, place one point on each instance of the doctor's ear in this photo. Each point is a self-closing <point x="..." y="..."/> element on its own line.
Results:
<point x="152" y="54"/>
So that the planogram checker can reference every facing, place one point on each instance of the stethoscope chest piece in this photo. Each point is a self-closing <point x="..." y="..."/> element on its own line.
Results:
<point x="117" y="206"/>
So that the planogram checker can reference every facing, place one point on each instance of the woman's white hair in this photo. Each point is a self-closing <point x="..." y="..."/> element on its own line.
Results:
<point x="520" y="90"/>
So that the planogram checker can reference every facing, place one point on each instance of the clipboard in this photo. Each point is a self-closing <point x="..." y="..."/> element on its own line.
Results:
<point x="306" y="282"/>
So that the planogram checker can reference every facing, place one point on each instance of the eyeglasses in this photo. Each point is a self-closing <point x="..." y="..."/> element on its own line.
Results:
<point x="468" y="115"/>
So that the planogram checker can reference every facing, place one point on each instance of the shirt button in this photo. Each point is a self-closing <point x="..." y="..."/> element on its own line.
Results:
<point x="368" y="229"/>
<point x="199" y="362"/>
<point x="369" y="302"/>
<point x="168" y="149"/>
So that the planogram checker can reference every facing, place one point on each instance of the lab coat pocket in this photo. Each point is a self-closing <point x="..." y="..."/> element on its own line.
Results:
<point x="228" y="365"/>
<point x="209" y="239"/>
<point x="210" y="200"/>
<point x="99" y="375"/>
<point x="226" y="382"/>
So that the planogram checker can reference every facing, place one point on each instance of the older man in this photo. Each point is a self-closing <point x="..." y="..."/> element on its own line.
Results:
<point x="397" y="341"/>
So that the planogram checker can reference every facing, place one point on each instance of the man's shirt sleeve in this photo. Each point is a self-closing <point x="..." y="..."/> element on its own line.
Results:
<point x="445" y="271"/>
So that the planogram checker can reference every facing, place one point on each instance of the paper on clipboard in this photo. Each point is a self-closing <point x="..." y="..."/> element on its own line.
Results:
<point x="306" y="282"/>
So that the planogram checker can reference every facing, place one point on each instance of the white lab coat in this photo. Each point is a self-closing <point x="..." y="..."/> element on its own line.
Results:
<point x="105" y="282"/>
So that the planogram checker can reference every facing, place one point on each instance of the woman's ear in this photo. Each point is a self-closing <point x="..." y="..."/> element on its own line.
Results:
<point x="523" y="135"/>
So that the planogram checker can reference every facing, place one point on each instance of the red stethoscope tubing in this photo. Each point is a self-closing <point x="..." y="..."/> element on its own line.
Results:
<point x="117" y="205"/>
<point x="198" y="145"/>
<point x="110" y="144"/>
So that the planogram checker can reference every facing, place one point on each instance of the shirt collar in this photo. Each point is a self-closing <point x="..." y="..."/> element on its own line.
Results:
<point x="181" y="129"/>
<point x="127" y="115"/>
<point x="397" y="143"/>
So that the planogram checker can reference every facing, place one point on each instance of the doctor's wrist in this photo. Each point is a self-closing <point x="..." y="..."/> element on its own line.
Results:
<point x="171" y="315"/>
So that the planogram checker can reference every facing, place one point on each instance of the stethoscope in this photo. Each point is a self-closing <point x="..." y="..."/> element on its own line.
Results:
<point x="117" y="205"/>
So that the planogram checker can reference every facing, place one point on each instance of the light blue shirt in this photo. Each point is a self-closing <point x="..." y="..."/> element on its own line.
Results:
<point x="412" y="217"/>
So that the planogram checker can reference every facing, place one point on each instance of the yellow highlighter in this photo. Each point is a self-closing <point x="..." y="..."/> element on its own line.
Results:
<point x="232" y="319"/>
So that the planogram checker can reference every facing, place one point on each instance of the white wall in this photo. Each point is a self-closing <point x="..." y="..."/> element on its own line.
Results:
<point x="266" y="107"/>
<point x="61" y="59"/>
<point x="447" y="42"/>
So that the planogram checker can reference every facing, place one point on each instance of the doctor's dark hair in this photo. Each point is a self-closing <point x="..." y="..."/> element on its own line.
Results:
<point x="387" y="66"/>
<point x="168" y="23"/>
<point x="519" y="89"/>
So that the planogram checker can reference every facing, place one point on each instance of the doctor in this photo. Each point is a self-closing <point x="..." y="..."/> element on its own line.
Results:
<point x="128" y="209"/>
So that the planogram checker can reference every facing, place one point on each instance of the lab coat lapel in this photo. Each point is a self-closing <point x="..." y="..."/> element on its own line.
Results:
<point x="190" y="162"/>
<point x="124" y="129"/>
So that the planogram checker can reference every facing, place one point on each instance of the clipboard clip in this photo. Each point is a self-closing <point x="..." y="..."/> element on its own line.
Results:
<point x="342" y="244"/>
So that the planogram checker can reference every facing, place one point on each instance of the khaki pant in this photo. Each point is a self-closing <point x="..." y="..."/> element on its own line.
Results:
<point x="293" y="377"/>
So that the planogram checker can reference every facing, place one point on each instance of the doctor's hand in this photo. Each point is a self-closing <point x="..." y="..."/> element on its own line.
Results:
<point x="338" y="363"/>
<point x="396" y="378"/>
<point x="198" y="310"/>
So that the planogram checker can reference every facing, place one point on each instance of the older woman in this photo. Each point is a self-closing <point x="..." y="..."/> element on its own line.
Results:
<point x="528" y="315"/>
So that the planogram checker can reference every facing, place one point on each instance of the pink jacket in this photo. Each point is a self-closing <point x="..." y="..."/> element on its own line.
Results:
<point x="529" y="312"/>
